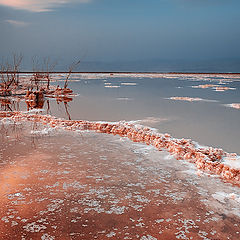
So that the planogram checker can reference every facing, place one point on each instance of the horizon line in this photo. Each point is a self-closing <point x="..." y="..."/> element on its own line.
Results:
<point x="115" y="72"/>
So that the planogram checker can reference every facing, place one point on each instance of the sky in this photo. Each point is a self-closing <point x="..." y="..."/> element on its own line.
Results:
<point x="121" y="30"/>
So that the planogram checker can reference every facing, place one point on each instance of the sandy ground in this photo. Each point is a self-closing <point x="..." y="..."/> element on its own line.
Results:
<point x="58" y="185"/>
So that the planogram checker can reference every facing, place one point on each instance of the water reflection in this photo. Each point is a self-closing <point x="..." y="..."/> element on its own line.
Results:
<point x="36" y="101"/>
<point x="8" y="104"/>
<point x="5" y="104"/>
<point x="214" y="122"/>
<point x="65" y="100"/>
<point x="207" y="122"/>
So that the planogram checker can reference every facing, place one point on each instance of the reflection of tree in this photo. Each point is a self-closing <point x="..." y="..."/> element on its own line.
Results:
<point x="36" y="102"/>
<point x="5" y="104"/>
<point x="3" y="131"/>
<point x="65" y="101"/>
<point x="17" y="130"/>
<point x="66" y="108"/>
<point x="35" y="127"/>
<point x="14" y="129"/>
<point x="15" y="104"/>
<point x="48" y="107"/>
<point x="34" y="99"/>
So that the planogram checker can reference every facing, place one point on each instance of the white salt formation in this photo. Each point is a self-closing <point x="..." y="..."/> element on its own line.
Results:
<point x="205" y="158"/>
<point x="234" y="105"/>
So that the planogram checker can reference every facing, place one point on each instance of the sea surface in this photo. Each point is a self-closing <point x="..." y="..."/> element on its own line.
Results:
<point x="151" y="98"/>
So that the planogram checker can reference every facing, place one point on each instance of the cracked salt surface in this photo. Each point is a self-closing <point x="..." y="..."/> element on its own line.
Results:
<point x="108" y="189"/>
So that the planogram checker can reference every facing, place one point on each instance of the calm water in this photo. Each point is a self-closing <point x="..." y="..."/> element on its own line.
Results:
<point x="146" y="97"/>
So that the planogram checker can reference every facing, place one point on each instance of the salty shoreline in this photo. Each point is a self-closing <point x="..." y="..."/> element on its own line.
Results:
<point x="127" y="72"/>
<point x="205" y="158"/>
<point x="59" y="184"/>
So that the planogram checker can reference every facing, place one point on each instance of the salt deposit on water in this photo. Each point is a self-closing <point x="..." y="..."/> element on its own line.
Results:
<point x="124" y="98"/>
<point x="215" y="87"/>
<point x="129" y="84"/>
<point x="233" y="105"/>
<point x="190" y="99"/>
<point x="111" y="86"/>
<point x="192" y="76"/>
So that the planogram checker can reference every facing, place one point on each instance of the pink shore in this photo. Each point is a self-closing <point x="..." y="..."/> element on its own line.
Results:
<point x="205" y="158"/>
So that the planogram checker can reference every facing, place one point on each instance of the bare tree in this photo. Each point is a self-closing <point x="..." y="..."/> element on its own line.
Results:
<point x="71" y="68"/>
<point x="17" y="60"/>
<point x="9" y="71"/>
<point x="48" y="67"/>
<point x="41" y="71"/>
<point x="36" y="71"/>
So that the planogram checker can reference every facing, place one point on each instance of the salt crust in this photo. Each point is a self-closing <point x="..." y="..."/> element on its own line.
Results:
<point x="213" y="160"/>
<point x="190" y="99"/>
<point x="233" y="105"/>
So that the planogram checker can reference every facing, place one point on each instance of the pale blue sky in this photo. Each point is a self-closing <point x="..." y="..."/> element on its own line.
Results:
<point x="121" y="30"/>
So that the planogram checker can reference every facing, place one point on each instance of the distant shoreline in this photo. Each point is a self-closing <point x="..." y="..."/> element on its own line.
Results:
<point x="182" y="73"/>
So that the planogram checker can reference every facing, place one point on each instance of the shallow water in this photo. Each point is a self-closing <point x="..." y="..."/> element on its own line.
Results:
<point x="63" y="185"/>
<point x="147" y="97"/>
